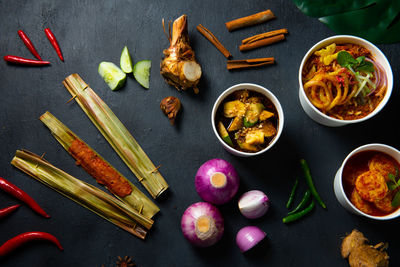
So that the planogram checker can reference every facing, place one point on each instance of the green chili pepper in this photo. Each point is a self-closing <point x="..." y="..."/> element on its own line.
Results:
<point x="307" y="176"/>
<point x="303" y="202"/>
<point x="291" y="197"/>
<point x="298" y="215"/>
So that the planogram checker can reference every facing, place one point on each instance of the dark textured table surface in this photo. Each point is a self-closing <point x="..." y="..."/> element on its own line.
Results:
<point x="93" y="31"/>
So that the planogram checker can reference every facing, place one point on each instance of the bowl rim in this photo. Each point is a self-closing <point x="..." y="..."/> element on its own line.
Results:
<point x="389" y="76"/>
<point x="267" y="93"/>
<point x="373" y="147"/>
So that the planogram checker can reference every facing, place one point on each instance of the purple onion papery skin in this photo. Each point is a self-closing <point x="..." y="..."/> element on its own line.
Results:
<point x="207" y="191"/>
<point x="188" y="223"/>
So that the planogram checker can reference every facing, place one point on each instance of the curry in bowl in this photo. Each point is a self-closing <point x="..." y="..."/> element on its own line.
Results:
<point x="344" y="81"/>
<point x="247" y="121"/>
<point x="371" y="182"/>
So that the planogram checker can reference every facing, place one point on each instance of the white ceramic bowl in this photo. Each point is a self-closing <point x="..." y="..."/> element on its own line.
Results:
<point x="324" y="119"/>
<point x="256" y="88"/>
<point x="338" y="182"/>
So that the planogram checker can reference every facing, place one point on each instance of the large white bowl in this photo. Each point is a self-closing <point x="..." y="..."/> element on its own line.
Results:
<point x="338" y="182"/>
<point x="377" y="54"/>
<point x="256" y="88"/>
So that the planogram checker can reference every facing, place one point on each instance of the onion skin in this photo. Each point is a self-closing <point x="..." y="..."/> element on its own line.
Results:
<point x="248" y="237"/>
<point x="253" y="204"/>
<point x="190" y="218"/>
<point x="207" y="191"/>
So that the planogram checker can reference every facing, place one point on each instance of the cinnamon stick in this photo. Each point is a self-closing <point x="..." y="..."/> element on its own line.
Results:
<point x="250" y="20"/>
<point x="211" y="37"/>
<point x="262" y="42"/>
<point x="249" y="63"/>
<point x="264" y="35"/>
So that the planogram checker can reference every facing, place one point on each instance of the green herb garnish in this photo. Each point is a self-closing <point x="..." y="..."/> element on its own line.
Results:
<point x="346" y="60"/>
<point x="393" y="184"/>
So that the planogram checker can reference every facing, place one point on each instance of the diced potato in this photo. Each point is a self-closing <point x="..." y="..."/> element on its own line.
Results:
<point x="254" y="137"/>
<point x="236" y="124"/>
<point x="247" y="146"/>
<point x="234" y="108"/>
<point x="265" y="115"/>
<point x="268" y="129"/>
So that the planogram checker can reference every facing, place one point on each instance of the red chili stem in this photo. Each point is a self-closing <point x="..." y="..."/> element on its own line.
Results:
<point x="7" y="211"/>
<point x="21" y="239"/>
<point x="21" y="195"/>
<point x="29" y="44"/>
<point x="25" y="61"/>
<point x="54" y="43"/>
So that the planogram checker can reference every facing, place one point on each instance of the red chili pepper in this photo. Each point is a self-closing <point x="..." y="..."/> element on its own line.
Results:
<point x="21" y="239"/>
<point x="7" y="211"/>
<point x="54" y="43"/>
<point x="25" y="61"/>
<point x="29" y="44"/>
<point x="21" y="195"/>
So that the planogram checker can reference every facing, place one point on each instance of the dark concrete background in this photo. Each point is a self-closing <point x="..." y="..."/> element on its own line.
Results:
<point x="93" y="31"/>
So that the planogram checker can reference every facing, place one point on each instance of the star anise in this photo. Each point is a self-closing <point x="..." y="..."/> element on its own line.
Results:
<point x="125" y="262"/>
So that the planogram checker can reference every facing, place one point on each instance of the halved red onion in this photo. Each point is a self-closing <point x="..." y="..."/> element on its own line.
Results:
<point x="248" y="237"/>
<point x="217" y="181"/>
<point x="202" y="224"/>
<point x="253" y="204"/>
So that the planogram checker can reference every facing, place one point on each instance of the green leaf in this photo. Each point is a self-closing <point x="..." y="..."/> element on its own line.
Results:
<point x="391" y="186"/>
<point x="392" y="177"/>
<point x="375" y="20"/>
<point x="396" y="200"/>
<point x="345" y="59"/>
<point x="366" y="66"/>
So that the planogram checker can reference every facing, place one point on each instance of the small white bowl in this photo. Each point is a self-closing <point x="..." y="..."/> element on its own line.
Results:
<point x="338" y="182"/>
<point x="251" y="87"/>
<point x="324" y="119"/>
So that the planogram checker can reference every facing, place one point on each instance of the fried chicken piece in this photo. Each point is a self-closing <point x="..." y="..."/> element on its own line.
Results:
<point x="371" y="186"/>
<point x="383" y="164"/>
<point x="360" y="203"/>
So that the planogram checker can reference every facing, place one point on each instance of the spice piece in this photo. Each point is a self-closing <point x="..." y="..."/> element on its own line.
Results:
<point x="100" y="170"/>
<point x="7" y="211"/>
<point x="211" y="37"/>
<point x="249" y="63"/>
<point x="262" y="42"/>
<point x="125" y="262"/>
<point x="264" y="35"/>
<point x="29" y="44"/>
<point x="13" y="190"/>
<point x="179" y="66"/>
<point x="25" y="61"/>
<point x="170" y="106"/>
<point x="355" y="247"/>
<point x="250" y="20"/>
<point x="21" y="239"/>
<point x="54" y="43"/>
